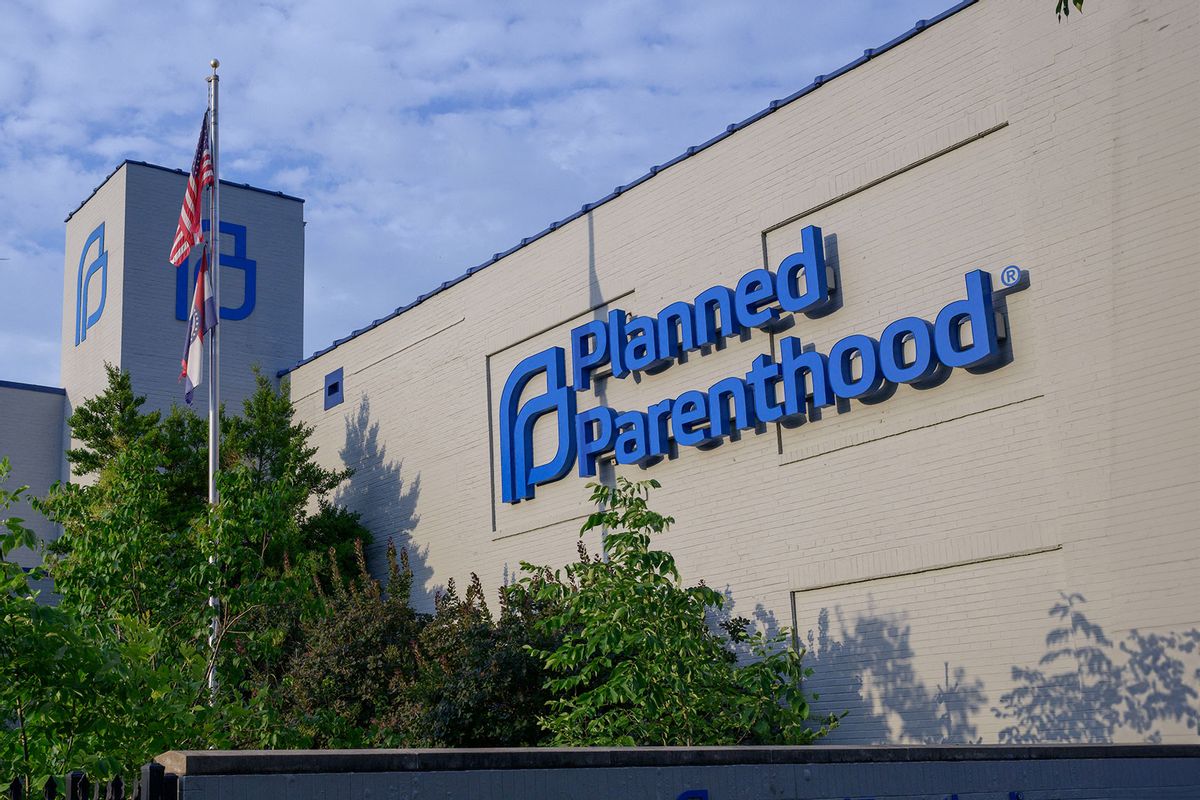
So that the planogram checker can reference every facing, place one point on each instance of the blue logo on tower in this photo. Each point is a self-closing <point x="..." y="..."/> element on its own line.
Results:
<point x="185" y="279"/>
<point x="83" y="292"/>
<point x="968" y="333"/>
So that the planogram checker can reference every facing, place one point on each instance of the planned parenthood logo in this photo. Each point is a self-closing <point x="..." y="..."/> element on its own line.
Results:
<point x="83" y="291"/>
<point x="185" y="277"/>
<point x="968" y="333"/>
<point x="518" y="472"/>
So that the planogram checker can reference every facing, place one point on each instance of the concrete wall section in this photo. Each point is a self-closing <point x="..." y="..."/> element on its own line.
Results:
<point x="1128" y="773"/>
<point x="1051" y="503"/>
<point x="31" y="428"/>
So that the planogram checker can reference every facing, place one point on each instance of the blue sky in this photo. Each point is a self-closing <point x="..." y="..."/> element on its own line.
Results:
<point x="423" y="136"/>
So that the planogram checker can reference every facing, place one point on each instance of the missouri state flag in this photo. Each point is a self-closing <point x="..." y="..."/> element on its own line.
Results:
<point x="202" y="320"/>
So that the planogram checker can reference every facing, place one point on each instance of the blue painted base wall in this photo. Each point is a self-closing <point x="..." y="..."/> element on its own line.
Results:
<point x="833" y="773"/>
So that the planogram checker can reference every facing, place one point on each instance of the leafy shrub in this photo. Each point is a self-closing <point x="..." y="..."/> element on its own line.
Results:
<point x="638" y="663"/>
<point x="481" y="684"/>
<point x="350" y="681"/>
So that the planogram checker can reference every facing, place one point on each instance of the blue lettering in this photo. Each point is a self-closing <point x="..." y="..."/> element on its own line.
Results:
<point x="84" y="320"/>
<point x="718" y="298"/>
<point x="235" y="260"/>
<point x="978" y="310"/>
<point x="641" y="349"/>
<point x="723" y="422"/>
<point x="589" y="351"/>
<point x="616" y="342"/>
<point x="809" y="262"/>
<point x="800" y="369"/>
<point x="909" y="351"/>
<point x="676" y="317"/>
<point x="896" y="368"/>
<point x="632" y="446"/>
<point x="842" y="356"/>
<point x="659" y="429"/>
<point x="763" y="378"/>
<point x="596" y="431"/>
<point x="518" y="474"/>
<point x="689" y="418"/>
<point x="754" y="291"/>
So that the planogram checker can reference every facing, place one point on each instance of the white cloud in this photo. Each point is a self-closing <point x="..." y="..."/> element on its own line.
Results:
<point x="424" y="136"/>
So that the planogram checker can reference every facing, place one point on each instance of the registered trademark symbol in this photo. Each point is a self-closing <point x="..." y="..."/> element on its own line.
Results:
<point x="1010" y="275"/>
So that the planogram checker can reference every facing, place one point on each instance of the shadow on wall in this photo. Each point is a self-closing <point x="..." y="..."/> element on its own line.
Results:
<point x="1084" y="688"/>
<point x="387" y="503"/>
<point x="868" y="671"/>
<point x="761" y="619"/>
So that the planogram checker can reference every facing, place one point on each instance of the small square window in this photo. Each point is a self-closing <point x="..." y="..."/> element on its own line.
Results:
<point x="334" y="389"/>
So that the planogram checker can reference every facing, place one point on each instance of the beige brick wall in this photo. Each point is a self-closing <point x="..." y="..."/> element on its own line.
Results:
<point x="31" y="428"/>
<point x="997" y="137"/>
<point x="83" y="363"/>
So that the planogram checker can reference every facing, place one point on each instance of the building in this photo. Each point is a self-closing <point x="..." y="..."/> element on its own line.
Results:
<point x="124" y="304"/>
<point x="985" y="532"/>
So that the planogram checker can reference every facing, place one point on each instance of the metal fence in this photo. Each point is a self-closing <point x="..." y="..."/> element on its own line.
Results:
<point x="152" y="784"/>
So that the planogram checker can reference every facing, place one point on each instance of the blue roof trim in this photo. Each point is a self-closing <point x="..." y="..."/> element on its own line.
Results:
<point x="775" y="105"/>
<point x="177" y="172"/>
<point x="32" y="387"/>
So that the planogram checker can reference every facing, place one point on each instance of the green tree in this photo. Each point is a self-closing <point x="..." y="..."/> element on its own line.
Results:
<point x="639" y="663"/>
<point x="266" y="546"/>
<point x="268" y="442"/>
<point x="71" y="692"/>
<point x="108" y="423"/>
<point x="128" y="549"/>
<point x="138" y="537"/>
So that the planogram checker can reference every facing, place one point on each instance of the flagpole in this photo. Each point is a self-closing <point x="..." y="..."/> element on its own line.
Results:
<point x="214" y="374"/>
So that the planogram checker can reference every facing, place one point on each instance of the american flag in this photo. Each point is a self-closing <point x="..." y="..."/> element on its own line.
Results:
<point x="187" y="233"/>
